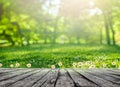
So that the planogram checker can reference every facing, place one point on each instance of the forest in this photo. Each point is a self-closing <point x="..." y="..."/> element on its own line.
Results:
<point x="52" y="31"/>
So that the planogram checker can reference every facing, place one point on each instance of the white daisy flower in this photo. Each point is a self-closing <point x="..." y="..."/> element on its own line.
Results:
<point x="92" y="66"/>
<point x="80" y="64"/>
<point x="53" y="66"/>
<point x="88" y="63"/>
<point x="11" y="65"/>
<point x="28" y="65"/>
<point x="60" y="64"/>
<point x="1" y="65"/>
<point x="104" y="65"/>
<point x="113" y="63"/>
<point x="74" y="65"/>
<point x="17" y="64"/>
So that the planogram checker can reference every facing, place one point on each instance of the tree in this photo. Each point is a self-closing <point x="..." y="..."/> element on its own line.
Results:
<point x="108" y="7"/>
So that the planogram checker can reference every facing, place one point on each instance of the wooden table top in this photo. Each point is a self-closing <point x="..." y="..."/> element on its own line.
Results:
<point x="42" y="77"/>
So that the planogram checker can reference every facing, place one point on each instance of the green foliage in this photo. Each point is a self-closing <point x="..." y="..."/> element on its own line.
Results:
<point x="70" y="55"/>
<point x="25" y="22"/>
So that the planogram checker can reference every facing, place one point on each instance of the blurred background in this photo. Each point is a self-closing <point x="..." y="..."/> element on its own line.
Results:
<point x="26" y="22"/>
<point x="33" y="25"/>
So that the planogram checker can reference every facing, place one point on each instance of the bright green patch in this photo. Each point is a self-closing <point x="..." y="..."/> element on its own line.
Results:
<point x="81" y="56"/>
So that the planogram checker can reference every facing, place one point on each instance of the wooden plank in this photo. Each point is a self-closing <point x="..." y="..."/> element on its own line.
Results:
<point x="31" y="80"/>
<point x="46" y="78"/>
<point x="117" y="71"/>
<point x="108" y="72"/>
<point x="99" y="81"/>
<point x="10" y="81"/>
<point x="7" y="71"/>
<point x="79" y="80"/>
<point x="111" y="72"/>
<point x="60" y="78"/>
<point x="51" y="80"/>
<point x="105" y="75"/>
<point x="14" y="74"/>
<point x="10" y="70"/>
<point x="64" y="80"/>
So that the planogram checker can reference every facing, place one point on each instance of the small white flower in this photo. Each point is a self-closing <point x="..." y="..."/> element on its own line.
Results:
<point x="103" y="65"/>
<point x="28" y="65"/>
<point x="87" y="62"/>
<point x="113" y="63"/>
<point x="11" y="65"/>
<point x="53" y="66"/>
<point x="92" y="66"/>
<point x="60" y="64"/>
<point x="80" y="63"/>
<point x="74" y="65"/>
<point x="1" y="65"/>
<point x="17" y="64"/>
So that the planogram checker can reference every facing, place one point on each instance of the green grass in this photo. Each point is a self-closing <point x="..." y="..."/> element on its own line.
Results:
<point x="81" y="56"/>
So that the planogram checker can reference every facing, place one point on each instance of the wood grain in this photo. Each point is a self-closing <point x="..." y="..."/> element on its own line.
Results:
<point x="59" y="77"/>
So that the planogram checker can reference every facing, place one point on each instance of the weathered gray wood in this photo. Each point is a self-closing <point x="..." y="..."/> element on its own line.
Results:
<point x="31" y="80"/>
<point x="117" y="71"/>
<point x="106" y="72"/>
<point x="99" y="81"/>
<point x="64" y="80"/>
<point x="4" y="72"/>
<point x="10" y="81"/>
<point x="14" y="74"/>
<point x="51" y="80"/>
<point x="59" y="77"/>
<point x="105" y="75"/>
<point x="47" y="79"/>
<point x="79" y="80"/>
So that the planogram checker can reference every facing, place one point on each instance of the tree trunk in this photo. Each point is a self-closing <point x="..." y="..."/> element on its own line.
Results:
<point x="28" y="40"/>
<point x="55" y="32"/>
<point x="45" y="32"/>
<point x="107" y="34"/>
<point x="54" y="36"/>
<point x="107" y="29"/>
<point x="113" y="37"/>
<point x="8" y="37"/>
<point x="113" y="31"/>
<point x="101" y="36"/>
<point x="19" y="33"/>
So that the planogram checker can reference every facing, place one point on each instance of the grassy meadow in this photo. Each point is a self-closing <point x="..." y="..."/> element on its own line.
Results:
<point x="69" y="55"/>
